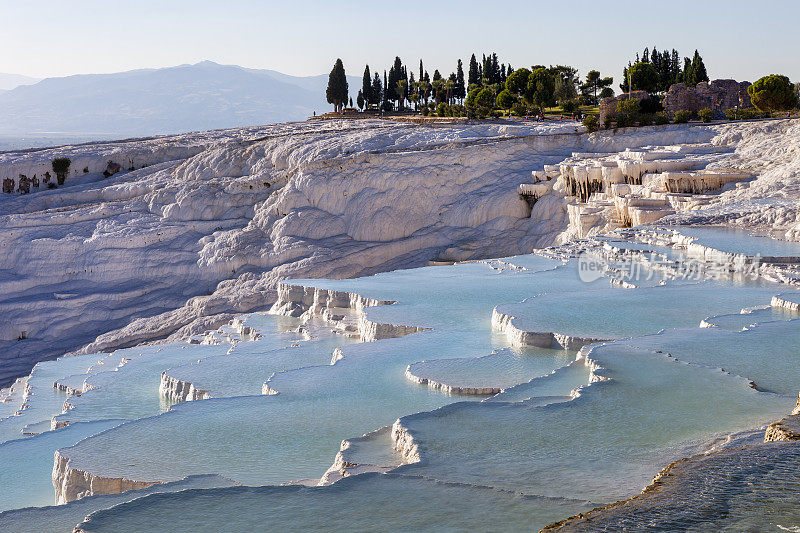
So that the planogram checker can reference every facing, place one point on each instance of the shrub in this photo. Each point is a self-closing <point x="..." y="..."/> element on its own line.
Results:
<point x="607" y="122"/>
<point x="681" y="117"/>
<point x="61" y="168"/>
<point x="570" y="106"/>
<point x="773" y="93"/>
<point x="607" y="92"/>
<point x="425" y="111"/>
<point x="646" y="119"/>
<point x="661" y="118"/>
<point x="750" y="113"/>
<point x="457" y="110"/>
<point x="651" y="104"/>
<point x="441" y="110"/>
<point x="706" y="114"/>
<point x="731" y="114"/>
<point x="519" y="109"/>
<point x="628" y="107"/>
<point x="592" y="123"/>
<point x="623" y="120"/>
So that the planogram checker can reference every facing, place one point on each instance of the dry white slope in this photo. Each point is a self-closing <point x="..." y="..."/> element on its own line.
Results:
<point x="215" y="219"/>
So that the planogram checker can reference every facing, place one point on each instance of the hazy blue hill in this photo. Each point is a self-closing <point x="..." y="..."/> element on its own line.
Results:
<point x="9" y="81"/>
<point x="168" y="100"/>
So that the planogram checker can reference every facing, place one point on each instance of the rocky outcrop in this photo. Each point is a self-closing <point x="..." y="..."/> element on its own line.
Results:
<point x="403" y="442"/>
<point x="788" y="428"/>
<point x="345" y="310"/>
<point x="504" y="323"/>
<point x="346" y="463"/>
<point x="176" y="390"/>
<point x="72" y="484"/>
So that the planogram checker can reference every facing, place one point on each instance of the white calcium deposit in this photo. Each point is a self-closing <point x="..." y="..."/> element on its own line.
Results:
<point x="206" y="224"/>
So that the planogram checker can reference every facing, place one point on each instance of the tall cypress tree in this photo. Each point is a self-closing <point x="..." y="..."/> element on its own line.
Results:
<point x="366" y="86"/>
<point x="337" y="86"/>
<point x="495" y="65"/>
<point x="699" y="68"/>
<point x="474" y="76"/>
<point x="675" y="67"/>
<point x="386" y="91"/>
<point x="421" y="71"/>
<point x="376" y="92"/>
<point x="461" y="90"/>
<point x="400" y="73"/>
<point x="688" y="73"/>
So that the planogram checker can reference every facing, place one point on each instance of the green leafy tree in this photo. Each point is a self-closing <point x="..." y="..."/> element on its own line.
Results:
<point x="607" y="92"/>
<point x="413" y="94"/>
<point x="424" y="90"/>
<point x="773" y="93"/>
<point x="438" y="85"/>
<point x="376" y="92"/>
<point x="484" y="102"/>
<point x="643" y="77"/>
<point x="360" y="99"/>
<point x="517" y="82"/>
<point x="594" y="84"/>
<point x="506" y="100"/>
<point x="402" y="85"/>
<point x="450" y="87"/>
<point x="540" y="90"/>
<point x="337" y="86"/>
<point x="565" y="80"/>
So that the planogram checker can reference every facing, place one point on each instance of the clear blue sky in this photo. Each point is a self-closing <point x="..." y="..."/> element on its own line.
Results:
<point x="738" y="39"/>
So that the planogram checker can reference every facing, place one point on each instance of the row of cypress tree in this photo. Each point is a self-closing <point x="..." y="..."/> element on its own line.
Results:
<point x="667" y="65"/>
<point x="400" y="84"/>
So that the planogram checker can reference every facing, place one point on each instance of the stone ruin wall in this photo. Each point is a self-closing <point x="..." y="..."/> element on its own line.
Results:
<point x="718" y="95"/>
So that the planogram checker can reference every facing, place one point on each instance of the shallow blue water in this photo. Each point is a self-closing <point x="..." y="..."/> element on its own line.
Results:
<point x="739" y="241"/>
<point x="566" y="450"/>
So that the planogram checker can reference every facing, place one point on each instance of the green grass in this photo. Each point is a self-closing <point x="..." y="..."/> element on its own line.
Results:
<point x="587" y="109"/>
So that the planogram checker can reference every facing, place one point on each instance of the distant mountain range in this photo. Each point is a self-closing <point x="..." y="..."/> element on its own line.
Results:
<point x="10" y="81"/>
<point x="195" y="97"/>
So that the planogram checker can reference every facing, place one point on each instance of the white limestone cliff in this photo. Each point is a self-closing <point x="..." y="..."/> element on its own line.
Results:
<point x="217" y="219"/>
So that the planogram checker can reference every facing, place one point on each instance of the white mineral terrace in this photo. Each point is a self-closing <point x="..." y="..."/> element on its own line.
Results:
<point x="241" y="305"/>
<point x="634" y="187"/>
